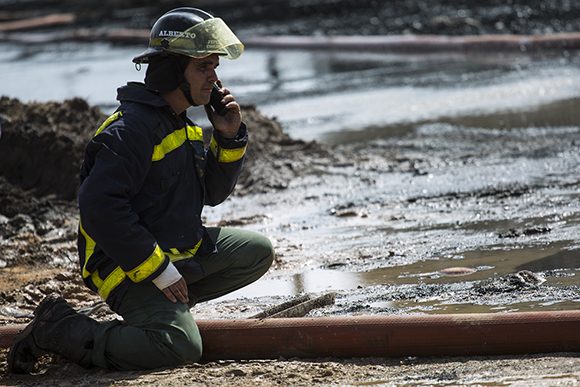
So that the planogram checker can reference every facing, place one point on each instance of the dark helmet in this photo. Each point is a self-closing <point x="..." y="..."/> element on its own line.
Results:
<point x="191" y="32"/>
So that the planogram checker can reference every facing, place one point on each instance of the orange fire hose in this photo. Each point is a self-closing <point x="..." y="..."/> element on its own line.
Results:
<point x="384" y="336"/>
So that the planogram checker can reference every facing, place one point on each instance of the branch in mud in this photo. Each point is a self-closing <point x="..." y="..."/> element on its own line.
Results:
<point x="297" y="307"/>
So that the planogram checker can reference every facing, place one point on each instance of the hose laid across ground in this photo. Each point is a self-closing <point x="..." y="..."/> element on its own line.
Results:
<point x="384" y="336"/>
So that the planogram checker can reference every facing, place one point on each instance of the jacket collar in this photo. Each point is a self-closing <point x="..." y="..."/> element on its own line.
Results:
<point x="137" y="92"/>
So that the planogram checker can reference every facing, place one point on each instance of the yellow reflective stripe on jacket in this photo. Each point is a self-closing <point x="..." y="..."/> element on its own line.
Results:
<point x="138" y="274"/>
<point x="112" y="118"/>
<point x="89" y="249"/>
<point x="114" y="279"/>
<point x="106" y="286"/>
<point x="148" y="267"/>
<point x="175" y="255"/>
<point x="175" y="140"/>
<point x="226" y="155"/>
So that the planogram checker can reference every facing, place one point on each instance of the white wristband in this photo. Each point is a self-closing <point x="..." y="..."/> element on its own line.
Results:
<point x="169" y="276"/>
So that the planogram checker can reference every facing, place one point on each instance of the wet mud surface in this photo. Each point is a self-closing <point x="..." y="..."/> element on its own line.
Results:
<point x="534" y="370"/>
<point x="441" y="219"/>
<point x="393" y="213"/>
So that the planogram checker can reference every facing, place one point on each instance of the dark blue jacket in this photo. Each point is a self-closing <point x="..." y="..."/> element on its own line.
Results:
<point x="144" y="180"/>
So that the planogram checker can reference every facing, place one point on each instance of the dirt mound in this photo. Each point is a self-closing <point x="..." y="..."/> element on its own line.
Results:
<point x="42" y="144"/>
<point x="42" y="147"/>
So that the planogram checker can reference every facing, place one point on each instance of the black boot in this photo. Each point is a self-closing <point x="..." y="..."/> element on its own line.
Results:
<point x="56" y="328"/>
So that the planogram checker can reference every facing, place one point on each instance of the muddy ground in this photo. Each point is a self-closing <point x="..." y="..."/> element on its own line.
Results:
<point x="402" y="207"/>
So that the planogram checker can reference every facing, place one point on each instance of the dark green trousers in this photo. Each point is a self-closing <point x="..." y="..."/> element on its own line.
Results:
<point x="156" y="332"/>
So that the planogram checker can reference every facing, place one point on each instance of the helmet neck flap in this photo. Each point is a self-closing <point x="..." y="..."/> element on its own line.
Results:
<point x="166" y="73"/>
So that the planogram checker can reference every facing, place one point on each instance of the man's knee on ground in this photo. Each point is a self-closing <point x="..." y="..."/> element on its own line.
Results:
<point x="183" y="347"/>
<point x="187" y="349"/>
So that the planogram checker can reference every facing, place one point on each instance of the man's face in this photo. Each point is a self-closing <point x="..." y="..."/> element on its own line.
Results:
<point x="201" y="75"/>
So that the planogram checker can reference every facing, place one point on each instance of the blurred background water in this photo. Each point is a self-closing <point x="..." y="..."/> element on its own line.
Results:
<point x="330" y="96"/>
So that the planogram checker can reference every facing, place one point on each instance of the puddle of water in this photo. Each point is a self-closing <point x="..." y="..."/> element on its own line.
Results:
<point x="487" y="264"/>
<point x="562" y="113"/>
<point x="316" y="116"/>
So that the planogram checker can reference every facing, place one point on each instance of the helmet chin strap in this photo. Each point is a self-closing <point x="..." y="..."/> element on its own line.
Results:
<point x="184" y="85"/>
<point x="186" y="90"/>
